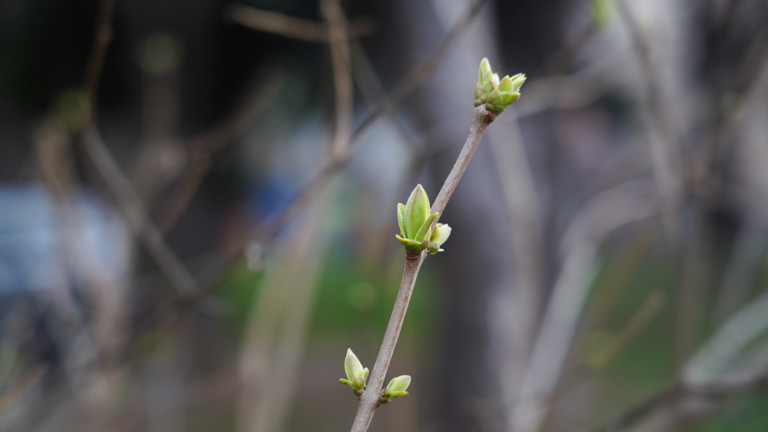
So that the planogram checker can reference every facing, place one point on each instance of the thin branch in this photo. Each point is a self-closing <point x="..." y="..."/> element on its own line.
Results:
<point x="601" y="215"/>
<point x="481" y="119"/>
<point x="204" y="146"/>
<point x="136" y="215"/>
<point x="22" y="387"/>
<point x="295" y="28"/>
<point x="102" y="37"/>
<point x="712" y="371"/>
<point x="666" y="159"/>
<point x="342" y="75"/>
<point x="133" y="209"/>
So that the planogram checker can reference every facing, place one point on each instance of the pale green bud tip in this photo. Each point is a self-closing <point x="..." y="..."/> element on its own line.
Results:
<point x="352" y="366"/>
<point x="416" y="211"/>
<point x="517" y="82"/>
<point x="485" y="71"/>
<point x="399" y="384"/>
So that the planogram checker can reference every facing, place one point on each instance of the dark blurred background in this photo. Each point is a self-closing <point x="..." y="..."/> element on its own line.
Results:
<point x="197" y="214"/>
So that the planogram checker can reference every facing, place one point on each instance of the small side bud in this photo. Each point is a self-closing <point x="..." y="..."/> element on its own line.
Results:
<point x="439" y="235"/>
<point x="396" y="388"/>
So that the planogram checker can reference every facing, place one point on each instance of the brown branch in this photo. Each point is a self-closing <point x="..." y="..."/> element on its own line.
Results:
<point x="342" y="76"/>
<point x="204" y="146"/>
<point x="101" y="38"/>
<point x="667" y="160"/>
<point x="136" y="216"/>
<point x="132" y="208"/>
<point x="481" y="119"/>
<point x="295" y="28"/>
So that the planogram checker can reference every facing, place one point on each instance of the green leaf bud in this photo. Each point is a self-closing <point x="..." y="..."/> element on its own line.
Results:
<point x="400" y="383"/>
<point x="440" y="234"/>
<point x="496" y="94"/>
<point x="395" y="389"/>
<point x="357" y="375"/>
<point x="416" y="211"/>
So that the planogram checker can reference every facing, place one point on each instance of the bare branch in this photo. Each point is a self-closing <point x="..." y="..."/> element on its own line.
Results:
<point x="204" y="146"/>
<point x="136" y="215"/>
<point x="604" y="213"/>
<point x="342" y="76"/>
<point x="295" y="28"/>
<point x="481" y="119"/>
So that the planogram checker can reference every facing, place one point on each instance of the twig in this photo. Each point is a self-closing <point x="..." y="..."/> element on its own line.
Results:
<point x="667" y="160"/>
<point x="712" y="371"/>
<point x="519" y="191"/>
<point x="20" y="389"/>
<point x="269" y="360"/>
<point x="481" y="119"/>
<point x="266" y="397"/>
<point x="204" y="146"/>
<point x="372" y="91"/>
<point x="136" y="215"/>
<point x="642" y="317"/>
<point x="101" y="39"/>
<point x="295" y="28"/>
<point x="133" y="209"/>
<point x="342" y="76"/>
<point x="604" y="213"/>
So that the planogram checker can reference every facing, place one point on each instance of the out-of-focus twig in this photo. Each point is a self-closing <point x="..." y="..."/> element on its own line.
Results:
<point x="604" y="213"/>
<point x="131" y="206"/>
<point x="372" y="91"/>
<point x="342" y="75"/>
<point x="101" y="39"/>
<point x="706" y="376"/>
<point x="639" y="321"/>
<point x="270" y="360"/>
<point x="295" y="28"/>
<point x="526" y="234"/>
<point x="665" y="153"/>
<point x="136" y="215"/>
<point x="271" y="382"/>
<point x="204" y="146"/>
<point x="25" y="383"/>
